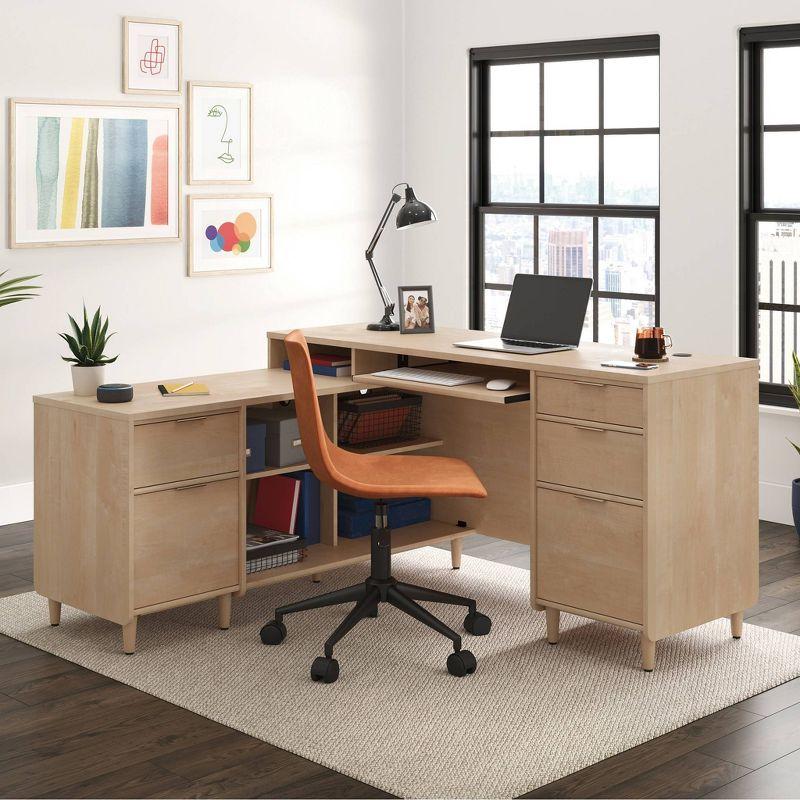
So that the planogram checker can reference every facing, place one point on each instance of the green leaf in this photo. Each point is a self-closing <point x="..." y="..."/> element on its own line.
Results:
<point x="95" y="325"/>
<point x="75" y="329"/>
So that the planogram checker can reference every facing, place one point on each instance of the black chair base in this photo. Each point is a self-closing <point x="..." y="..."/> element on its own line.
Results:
<point x="381" y="587"/>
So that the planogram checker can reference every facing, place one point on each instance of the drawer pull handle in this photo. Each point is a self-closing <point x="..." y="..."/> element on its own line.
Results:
<point x="586" y="497"/>
<point x="589" y="383"/>
<point x="190" y="419"/>
<point x="193" y="486"/>
<point x="587" y="428"/>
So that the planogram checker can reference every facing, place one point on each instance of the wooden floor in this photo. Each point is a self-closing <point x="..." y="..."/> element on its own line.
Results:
<point x="69" y="732"/>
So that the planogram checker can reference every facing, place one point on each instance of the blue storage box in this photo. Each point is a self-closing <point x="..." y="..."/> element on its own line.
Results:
<point x="256" y="445"/>
<point x="307" y="524"/>
<point x="356" y="523"/>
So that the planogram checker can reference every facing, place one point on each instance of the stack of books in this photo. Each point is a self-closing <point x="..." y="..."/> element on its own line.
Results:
<point x="334" y="365"/>
<point x="271" y="537"/>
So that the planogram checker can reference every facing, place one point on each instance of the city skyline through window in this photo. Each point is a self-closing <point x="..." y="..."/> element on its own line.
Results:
<point x="565" y="178"/>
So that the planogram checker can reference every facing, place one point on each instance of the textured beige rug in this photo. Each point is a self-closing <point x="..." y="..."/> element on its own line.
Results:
<point x="395" y="719"/>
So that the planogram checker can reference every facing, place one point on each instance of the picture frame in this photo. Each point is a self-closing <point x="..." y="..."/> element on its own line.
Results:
<point x="230" y="234"/>
<point x="93" y="172"/>
<point x="415" y="316"/>
<point x="152" y="56"/>
<point x="220" y="132"/>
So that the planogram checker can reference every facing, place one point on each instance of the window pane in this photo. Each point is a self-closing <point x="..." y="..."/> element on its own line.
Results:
<point x="507" y="246"/>
<point x="495" y="303"/>
<point x="515" y="169"/>
<point x="514" y="93"/>
<point x="630" y="174"/>
<point x="782" y="169"/>
<point x="627" y="255"/>
<point x="571" y="94"/>
<point x="570" y="169"/>
<point x="619" y="319"/>
<point x="778" y="262"/>
<point x="781" y="85"/>
<point x="565" y="246"/>
<point x="777" y="340"/>
<point x="630" y="93"/>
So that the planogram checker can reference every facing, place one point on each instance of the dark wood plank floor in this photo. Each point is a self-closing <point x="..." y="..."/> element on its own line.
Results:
<point x="69" y="732"/>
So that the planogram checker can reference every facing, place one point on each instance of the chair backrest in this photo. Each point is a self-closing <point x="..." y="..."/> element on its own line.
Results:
<point x="309" y="419"/>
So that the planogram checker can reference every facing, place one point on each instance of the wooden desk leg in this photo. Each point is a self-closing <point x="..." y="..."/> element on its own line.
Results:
<point x="648" y="654"/>
<point x="224" y="611"/>
<point x="316" y="577"/>
<point x="55" y="611"/>
<point x="129" y="637"/>
<point x="736" y="624"/>
<point x="456" y="546"/>
<point x="553" y="616"/>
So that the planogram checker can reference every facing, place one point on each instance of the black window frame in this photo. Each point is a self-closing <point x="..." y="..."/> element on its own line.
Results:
<point x="751" y="192"/>
<point x="481" y="60"/>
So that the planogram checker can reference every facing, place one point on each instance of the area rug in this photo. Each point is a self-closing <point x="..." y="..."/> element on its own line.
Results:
<point x="396" y="719"/>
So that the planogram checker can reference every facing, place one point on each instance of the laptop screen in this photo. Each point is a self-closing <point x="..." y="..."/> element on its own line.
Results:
<point x="547" y="308"/>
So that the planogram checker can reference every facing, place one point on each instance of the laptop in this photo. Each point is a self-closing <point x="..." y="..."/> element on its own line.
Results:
<point x="545" y="314"/>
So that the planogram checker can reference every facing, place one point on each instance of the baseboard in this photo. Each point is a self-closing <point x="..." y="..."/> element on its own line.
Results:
<point x="775" y="502"/>
<point x="16" y="503"/>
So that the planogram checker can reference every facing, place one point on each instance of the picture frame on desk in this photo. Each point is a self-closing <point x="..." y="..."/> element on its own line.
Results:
<point x="415" y="309"/>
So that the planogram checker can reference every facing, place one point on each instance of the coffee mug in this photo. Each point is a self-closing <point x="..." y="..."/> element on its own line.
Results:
<point x="652" y="343"/>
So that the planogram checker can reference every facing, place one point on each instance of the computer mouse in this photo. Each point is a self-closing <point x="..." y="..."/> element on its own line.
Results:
<point x="499" y="384"/>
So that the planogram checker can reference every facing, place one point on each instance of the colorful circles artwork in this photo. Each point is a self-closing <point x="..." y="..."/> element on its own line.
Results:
<point x="232" y="237"/>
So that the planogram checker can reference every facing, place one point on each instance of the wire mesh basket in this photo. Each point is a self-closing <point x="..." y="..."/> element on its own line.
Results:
<point x="379" y="417"/>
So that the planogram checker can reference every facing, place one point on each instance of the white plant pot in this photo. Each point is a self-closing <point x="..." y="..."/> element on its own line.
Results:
<point x="85" y="380"/>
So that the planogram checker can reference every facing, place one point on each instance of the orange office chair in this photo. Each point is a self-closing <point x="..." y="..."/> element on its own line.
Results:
<point x="377" y="477"/>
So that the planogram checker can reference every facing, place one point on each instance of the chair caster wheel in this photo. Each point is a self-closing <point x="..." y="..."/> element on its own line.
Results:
<point x="477" y="624"/>
<point x="273" y="633"/>
<point x="325" y="669"/>
<point x="461" y="663"/>
<point x="373" y="613"/>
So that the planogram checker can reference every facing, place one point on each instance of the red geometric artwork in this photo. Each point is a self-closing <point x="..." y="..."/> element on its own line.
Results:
<point x="153" y="59"/>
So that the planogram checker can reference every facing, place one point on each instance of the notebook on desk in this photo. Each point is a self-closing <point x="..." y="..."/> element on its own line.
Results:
<point x="183" y="389"/>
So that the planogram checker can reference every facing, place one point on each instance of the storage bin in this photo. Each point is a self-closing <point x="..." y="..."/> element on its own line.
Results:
<point x="356" y="523"/>
<point x="256" y="445"/>
<point x="380" y="416"/>
<point x="283" y="445"/>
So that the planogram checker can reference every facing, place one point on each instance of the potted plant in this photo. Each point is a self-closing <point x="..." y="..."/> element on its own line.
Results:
<point x="794" y="388"/>
<point x="87" y="346"/>
<point x="15" y="290"/>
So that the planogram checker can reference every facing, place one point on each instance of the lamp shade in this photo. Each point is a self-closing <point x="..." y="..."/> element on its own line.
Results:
<point x="414" y="212"/>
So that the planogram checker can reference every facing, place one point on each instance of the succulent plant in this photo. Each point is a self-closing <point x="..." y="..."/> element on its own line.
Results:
<point x="88" y="342"/>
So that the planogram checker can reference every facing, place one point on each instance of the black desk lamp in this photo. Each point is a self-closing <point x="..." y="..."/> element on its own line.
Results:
<point x="413" y="212"/>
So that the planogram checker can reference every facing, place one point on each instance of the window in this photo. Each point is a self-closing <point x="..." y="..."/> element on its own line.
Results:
<point x="564" y="177"/>
<point x="770" y="195"/>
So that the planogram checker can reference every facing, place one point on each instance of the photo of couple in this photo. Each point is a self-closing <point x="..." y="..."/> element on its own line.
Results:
<point x="416" y="309"/>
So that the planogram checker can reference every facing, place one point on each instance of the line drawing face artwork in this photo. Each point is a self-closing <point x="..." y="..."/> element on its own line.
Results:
<point x="218" y="110"/>
<point x="153" y="59"/>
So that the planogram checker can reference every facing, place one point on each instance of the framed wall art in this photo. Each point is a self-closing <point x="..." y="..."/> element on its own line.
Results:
<point x="220" y="132"/>
<point x="152" y="56"/>
<point x="93" y="172"/>
<point x="230" y="234"/>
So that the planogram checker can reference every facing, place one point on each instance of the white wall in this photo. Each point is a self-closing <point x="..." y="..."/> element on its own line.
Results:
<point x="699" y="164"/>
<point x="328" y="145"/>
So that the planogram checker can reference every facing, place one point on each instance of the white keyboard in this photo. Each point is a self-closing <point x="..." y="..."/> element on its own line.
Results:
<point x="429" y="376"/>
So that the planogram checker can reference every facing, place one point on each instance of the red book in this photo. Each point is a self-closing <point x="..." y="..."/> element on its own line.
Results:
<point x="330" y="360"/>
<point x="276" y="503"/>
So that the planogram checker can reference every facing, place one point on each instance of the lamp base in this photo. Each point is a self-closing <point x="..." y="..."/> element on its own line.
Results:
<point x="383" y="326"/>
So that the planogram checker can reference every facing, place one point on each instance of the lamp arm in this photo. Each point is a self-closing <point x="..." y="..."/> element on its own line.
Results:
<point x="393" y="201"/>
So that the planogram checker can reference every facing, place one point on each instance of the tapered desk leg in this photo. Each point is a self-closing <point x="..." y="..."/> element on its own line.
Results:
<point x="456" y="546"/>
<point x="224" y="611"/>
<point x="553" y="616"/>
<point x="736" y="624"/>
<point x="648" y="654"/>
<point x="55" y="611"/>
<point x="129" y="637"/>
<point x="316" y="577"/>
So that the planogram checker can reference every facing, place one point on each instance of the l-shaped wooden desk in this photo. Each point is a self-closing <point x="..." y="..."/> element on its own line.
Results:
<point x="637" y="491"/>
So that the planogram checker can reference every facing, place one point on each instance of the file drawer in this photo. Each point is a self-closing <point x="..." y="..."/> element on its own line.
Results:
<point x="590" y="458"/>
<point x="589" y="554"/>
<point x="185" y="541"/>
<point x="599" y="402"/>
<point x="182" y="449"/>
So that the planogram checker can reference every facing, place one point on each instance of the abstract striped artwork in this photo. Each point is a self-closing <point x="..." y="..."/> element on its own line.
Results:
<point x="124" y="151"/>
